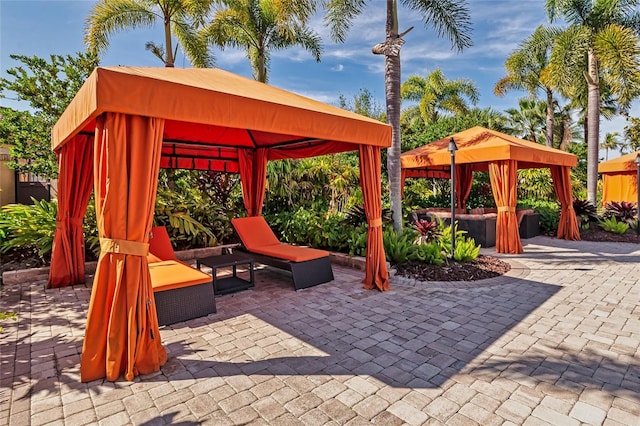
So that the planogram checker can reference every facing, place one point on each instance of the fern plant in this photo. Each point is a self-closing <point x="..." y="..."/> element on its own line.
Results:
<point x="611" y="224"/>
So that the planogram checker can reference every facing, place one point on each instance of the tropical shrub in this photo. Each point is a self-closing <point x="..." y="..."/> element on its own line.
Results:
<point x="430" y="253"/>
<point x="398" y="246"/>
<point x="548" y="212"/>
<point x="445" y="239"/>
<point x="28" y="227"/>
<point x="428" y="231"/>
<point x="611" y="224"/>
<point x="466" y="250"/>
<point x="623" y="211"/>
<point x="585" y="212"/>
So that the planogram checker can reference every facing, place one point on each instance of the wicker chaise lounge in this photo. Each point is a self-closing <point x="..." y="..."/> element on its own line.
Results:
<point x="308" y="266"/>
<point x="181" y="292"/>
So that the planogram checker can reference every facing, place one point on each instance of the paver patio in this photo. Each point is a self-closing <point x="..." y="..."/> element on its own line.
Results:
<point x="556" y="341"/>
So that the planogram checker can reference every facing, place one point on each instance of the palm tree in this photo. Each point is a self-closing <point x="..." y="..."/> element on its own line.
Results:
<point x="601" y="42"/>
<point x="261" y="26"/>
<point x="528" y="120"/>
<point x="612" y="142"/>
<point x="448" y="17"/>
<point x="179" y="17"/>
<point x="524" y="70"/>
<point x="436" y="95"/>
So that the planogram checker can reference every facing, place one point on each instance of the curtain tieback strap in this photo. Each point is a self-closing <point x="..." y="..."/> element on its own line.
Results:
<point x="76" y="220"/>
<point x="59" y="224"/>
<point x="506" y="209"/>
<point x="373" y="223"/>
<point x="108" y="245"/>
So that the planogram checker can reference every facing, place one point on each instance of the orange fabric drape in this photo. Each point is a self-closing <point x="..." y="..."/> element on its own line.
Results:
<point x="618" y="187"/>
<point x="74" y="189"/>
<point x="464" y="180"/>
<point x="122" y="335"/>
<point x="376" y="274"/>
<point x="568" y="224"/>
<point x="503" y="176"/>
<point x="253" y="175"/>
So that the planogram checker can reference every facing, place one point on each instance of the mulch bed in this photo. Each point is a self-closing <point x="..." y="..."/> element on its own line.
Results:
<point x="478" y="269"/>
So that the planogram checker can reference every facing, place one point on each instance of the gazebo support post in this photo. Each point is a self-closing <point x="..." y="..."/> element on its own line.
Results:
<point x="452" y="150"/>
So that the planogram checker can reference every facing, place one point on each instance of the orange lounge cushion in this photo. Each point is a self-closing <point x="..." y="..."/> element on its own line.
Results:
<point x="160" y="244"/>
<point x="172" y="274"/>
<point x="254" y="232"/>
<point x="289" y="252"/>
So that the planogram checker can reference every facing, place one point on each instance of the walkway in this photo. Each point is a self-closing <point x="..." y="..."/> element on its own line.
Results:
<point x="557" y="341"/>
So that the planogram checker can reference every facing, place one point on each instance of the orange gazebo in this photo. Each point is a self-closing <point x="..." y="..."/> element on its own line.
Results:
<point x="122" y="126"/>
<point x="620" y="179"/>
<point x="481" y="149"/>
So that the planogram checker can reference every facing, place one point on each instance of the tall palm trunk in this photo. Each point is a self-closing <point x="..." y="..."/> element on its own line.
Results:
<point x="167" y="40"/>
<point x="392" y="89"/>
<point x="549" y="118"/>
<point x="593" y="126"/>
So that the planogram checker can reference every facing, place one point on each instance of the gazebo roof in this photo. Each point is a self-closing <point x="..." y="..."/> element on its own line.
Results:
<point x="481" y="146"/>
<point x="209" y="113"/>
<point x="624" y="163"/>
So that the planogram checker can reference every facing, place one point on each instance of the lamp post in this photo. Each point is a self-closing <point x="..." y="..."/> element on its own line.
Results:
<point x="452" y="150"/>
<point x="637" y="161"/>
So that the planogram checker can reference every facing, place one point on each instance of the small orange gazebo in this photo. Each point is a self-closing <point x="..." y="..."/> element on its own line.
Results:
<point x="481" y="149"/>
<point x="620" y="179"/>
<point x="122" y="126"/>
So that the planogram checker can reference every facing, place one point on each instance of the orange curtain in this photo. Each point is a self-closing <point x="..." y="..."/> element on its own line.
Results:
<point x="74" y="188"/>
<point x="619" y="187"/>
<point x="122" y="335"/>
<point x="503" y="176"/>
<point x="464" y="180"/>
<point x="253" y="175"/>
<point x="376" y="274"/>
<point x="568" y="225"/>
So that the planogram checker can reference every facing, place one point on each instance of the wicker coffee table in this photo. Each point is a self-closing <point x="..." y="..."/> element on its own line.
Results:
<point x="233" y="283"/>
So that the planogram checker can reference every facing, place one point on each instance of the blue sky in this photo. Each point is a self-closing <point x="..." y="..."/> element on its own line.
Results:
<point x="37" y="27"/>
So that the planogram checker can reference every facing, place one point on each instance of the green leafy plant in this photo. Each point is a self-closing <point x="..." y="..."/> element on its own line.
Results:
<point x="28" y="226"/>
<point x="466" y="250"/>
<point x="548" y="212"/>
<point x="398" y="247"/>
<point x="623" y="211"/>
<point x="430" y="253"/>
<point x="445" y="239"/>
<point x="611" y="224"/>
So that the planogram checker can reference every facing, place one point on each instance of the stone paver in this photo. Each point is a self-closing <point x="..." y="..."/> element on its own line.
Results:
<point x="555" y="341"/>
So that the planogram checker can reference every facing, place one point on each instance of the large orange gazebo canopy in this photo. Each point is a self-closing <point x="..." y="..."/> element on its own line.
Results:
<point x="205" y="108"/>
<point x="620" y="179"/>
<point x="479" y="146"/>
<point x="124" y="124"/>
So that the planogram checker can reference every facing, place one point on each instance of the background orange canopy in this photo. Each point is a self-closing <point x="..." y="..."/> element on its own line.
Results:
<point x="479" y="146"/>
<point x="620" y="179"/>
<point x="481" y="149"/>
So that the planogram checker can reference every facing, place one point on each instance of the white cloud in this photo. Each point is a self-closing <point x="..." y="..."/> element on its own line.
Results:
<point x="337" y="68"/>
